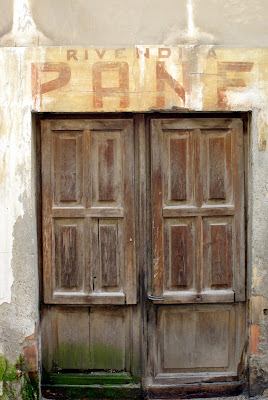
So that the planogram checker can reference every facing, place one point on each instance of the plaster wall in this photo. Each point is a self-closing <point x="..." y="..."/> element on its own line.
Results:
<point x="39" y="74"/>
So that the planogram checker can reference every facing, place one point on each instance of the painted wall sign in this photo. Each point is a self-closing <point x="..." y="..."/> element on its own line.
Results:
<point x="135" y="79"/>
<point x="145" y="78"/>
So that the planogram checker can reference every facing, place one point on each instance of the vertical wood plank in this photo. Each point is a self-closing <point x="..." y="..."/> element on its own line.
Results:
<point x="129" y="226"/>
<point x="87" y="185"/>
<point x="108" y="339"/>
<point x="199" y="182"/>
<point x="46" y="145"/>
<point x="73" y="339"/>
<point x="139" y="329"/>
<point x="239" y="219"/>
<point x="157" y="204"/>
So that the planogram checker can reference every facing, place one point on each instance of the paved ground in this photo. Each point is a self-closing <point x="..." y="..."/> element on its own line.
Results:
<point x="242" y="397"/>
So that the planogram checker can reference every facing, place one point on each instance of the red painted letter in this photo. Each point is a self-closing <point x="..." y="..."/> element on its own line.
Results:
<point x="63" y="78"/>
<point x="163" y="76"/>
<point x="122" y="90"/>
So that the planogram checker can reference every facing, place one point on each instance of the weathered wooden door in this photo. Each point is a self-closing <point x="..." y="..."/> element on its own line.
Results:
<point x="198" y="266"/>
<point x="143" y="256"/>
<point x="89" y="269"/>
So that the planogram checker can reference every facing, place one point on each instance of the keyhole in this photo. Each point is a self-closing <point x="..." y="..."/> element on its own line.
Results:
<point x="94" y="277"/>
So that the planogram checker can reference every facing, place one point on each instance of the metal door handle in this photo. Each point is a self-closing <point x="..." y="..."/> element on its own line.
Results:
<point x="155" y="298"/>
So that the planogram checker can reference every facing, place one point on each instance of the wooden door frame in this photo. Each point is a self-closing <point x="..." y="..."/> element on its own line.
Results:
<point x="143" y="212"/>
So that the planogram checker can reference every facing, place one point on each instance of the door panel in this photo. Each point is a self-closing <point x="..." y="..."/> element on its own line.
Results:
<point x="198" y="173"/>
<point x="88" y="212"/>
<point x="178" y="174"/>
<point x="217" y="253"/>
<point x="199" y="343"/>
<point x="97" y="339"/>
<point x="69" y="239"/>
<point x="180" y="254"/>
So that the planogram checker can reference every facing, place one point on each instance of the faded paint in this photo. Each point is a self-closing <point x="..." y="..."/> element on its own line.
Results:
<point x="203" y="78"/>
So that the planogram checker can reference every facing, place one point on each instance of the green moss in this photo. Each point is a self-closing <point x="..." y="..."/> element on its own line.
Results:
<point x="2" y="366"/>
<point x="72" y="355"/>
<point x="106" y="357"/>
<point x="17" y="382"/>
<point x="79" y="356"/>
<point x="94" y="391"/>
<point x="102" y="375"/>
<point x="103" y="379"/>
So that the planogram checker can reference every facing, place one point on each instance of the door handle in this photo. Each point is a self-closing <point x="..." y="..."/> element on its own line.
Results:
<point x="155" y="298"/>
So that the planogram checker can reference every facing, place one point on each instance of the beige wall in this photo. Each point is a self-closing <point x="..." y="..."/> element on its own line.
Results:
<point x="126" y="23"/>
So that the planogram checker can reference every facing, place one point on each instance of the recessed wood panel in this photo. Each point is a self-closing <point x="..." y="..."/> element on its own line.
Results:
<point x="179" y="247"/>
<point x="68" y="164"/>
<point x="216" y="167"/>
<point x="108" y="341"/>
<point x="106" y="168"/>
<point x="69" y="254"/>
<point x="179" y="253"/>
<point x="178" y="169"/>
<point x="218" y="253"/>
<point x="195" y="339"/>
<point x="109" y="253"/>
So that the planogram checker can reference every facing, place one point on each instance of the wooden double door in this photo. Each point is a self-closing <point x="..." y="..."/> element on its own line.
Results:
<point x="143" y="256"/>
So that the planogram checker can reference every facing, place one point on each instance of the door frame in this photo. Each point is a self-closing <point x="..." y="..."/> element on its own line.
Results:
<point x="142" y="171"/>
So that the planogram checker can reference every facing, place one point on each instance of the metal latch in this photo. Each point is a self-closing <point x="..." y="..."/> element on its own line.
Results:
<point x="155" y="298"/>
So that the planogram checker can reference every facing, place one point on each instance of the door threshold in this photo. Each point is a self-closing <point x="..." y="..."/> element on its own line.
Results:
<point x="198" y="390"/>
